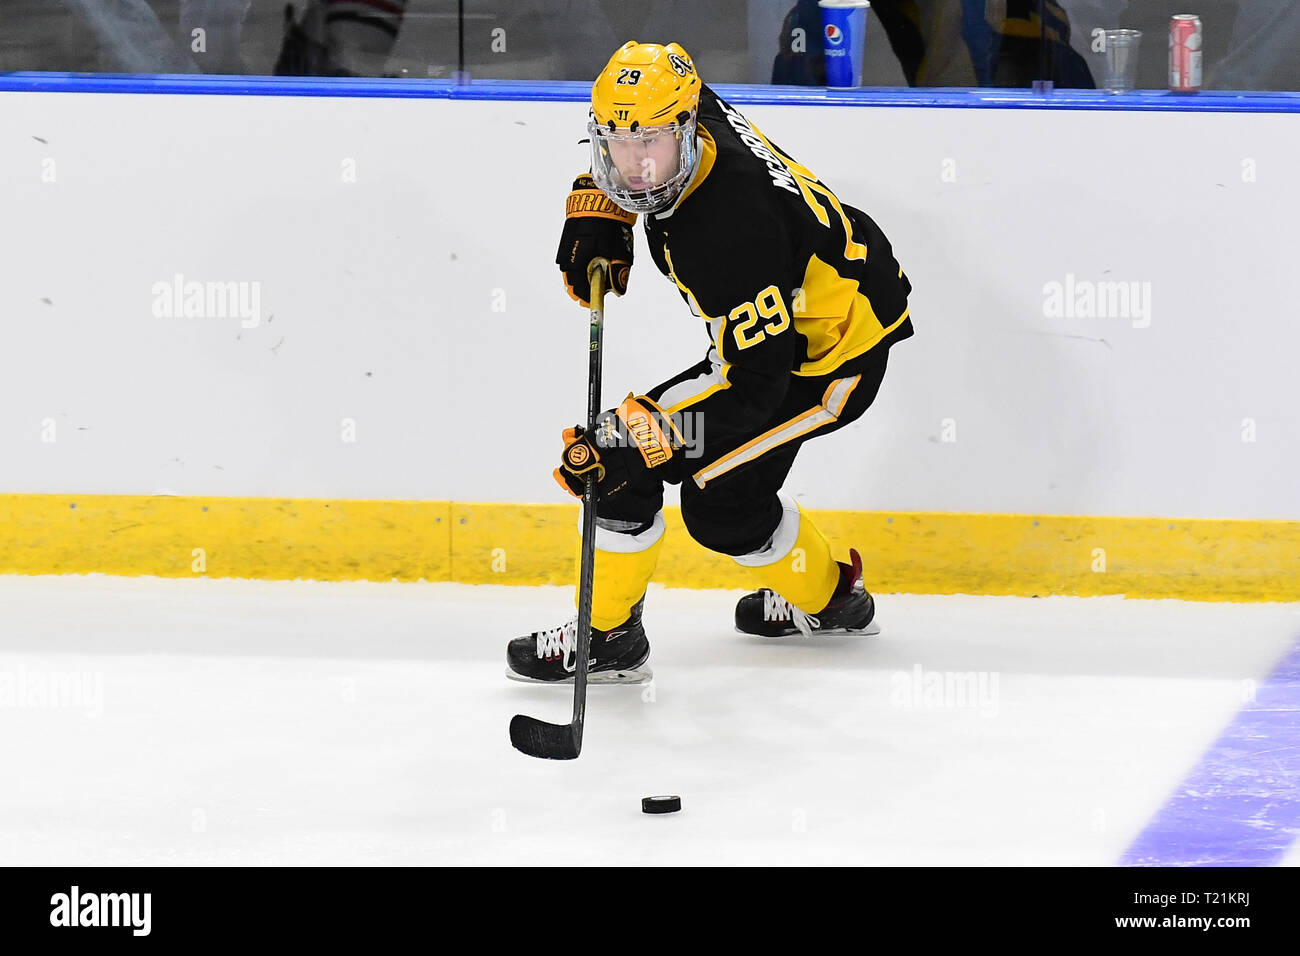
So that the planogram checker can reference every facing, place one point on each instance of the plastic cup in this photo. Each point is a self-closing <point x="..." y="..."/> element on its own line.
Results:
<point x="844" y="31"/>
<point x="1121" y="56"/>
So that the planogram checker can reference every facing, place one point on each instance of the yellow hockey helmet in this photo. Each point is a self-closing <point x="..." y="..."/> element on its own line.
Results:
<point x="643" y="122"/>
<point x="645" y="84"/>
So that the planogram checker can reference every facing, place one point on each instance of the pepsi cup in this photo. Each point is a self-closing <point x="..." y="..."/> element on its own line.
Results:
<point x="844" y="28"/>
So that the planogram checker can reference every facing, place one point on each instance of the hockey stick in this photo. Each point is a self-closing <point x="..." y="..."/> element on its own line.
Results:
<point x="537" y="738"/>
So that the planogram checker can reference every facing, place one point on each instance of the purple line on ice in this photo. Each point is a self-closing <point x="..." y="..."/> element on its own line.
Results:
<point x="1240" y="805"/>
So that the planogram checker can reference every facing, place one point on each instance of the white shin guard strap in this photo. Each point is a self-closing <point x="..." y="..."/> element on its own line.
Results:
<point x="783" y="539"/>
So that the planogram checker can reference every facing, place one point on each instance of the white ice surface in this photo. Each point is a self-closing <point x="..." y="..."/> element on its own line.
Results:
<point x="248" y="722"/>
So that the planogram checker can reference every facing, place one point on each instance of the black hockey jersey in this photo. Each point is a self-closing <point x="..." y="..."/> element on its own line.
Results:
<point x="789" y="280"/>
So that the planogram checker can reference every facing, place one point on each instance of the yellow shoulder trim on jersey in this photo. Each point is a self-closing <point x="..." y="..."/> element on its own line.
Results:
<point x="708" y="154"/>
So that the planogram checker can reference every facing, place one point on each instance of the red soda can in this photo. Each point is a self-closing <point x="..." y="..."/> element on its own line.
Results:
<point x="1185" y="53"/>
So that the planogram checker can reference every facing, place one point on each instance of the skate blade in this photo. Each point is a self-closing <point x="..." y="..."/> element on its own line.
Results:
<point x="870" y="630"/>
<point x="628" y="675"/>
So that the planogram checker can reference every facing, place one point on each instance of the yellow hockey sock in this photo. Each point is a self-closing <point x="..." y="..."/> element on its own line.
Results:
<point x="797" y="562"/>
<point x="624" y="565"/>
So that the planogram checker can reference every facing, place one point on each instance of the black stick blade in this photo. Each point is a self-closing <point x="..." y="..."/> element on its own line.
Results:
<point x="537" y="738"/>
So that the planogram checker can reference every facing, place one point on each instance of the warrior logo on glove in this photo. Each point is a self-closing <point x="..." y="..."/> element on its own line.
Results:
<point x="594" y="227"/>
<point x="577" y="456"/>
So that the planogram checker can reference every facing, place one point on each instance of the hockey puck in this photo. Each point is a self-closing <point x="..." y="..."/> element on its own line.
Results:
<point x="661" y="804"/>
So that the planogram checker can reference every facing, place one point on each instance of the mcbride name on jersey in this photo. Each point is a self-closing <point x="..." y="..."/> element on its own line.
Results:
<point x="789" y="280"/>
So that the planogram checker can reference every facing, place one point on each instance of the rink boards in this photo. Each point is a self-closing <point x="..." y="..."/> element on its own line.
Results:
<point x="382" y="360"/>
<point x="492" y="543"/>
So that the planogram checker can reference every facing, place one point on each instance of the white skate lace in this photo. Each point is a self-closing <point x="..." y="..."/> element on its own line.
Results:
<point x="777" y="608"/>
<point x="562" y="640"/>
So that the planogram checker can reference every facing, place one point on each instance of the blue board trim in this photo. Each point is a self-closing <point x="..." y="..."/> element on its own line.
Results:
<point x="574" y="92"/>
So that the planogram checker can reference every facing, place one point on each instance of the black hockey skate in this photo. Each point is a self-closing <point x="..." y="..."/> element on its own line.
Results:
<point x="618" y="656"/>
<point x="850" y="611"/>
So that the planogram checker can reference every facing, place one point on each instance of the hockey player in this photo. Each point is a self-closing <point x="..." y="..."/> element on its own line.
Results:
<point x="802" y="298"/>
